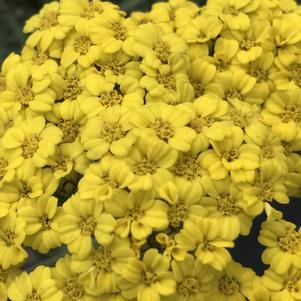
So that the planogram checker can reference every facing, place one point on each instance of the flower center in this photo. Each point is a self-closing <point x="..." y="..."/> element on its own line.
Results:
<point x="135" y="213"/>
<point x="25" y="95"/>
<point x="198" y="123"/>
<point x="87" y="225"/>
<point x="198" y="87"/>
<point x="290" y="283"/>
<point x="3" y="166"/>
<point x="167" y="81"/>
<point x="231" y="155"/>
<point x="290" y="242"/>
<point x="149" y="277"/>
<point x="73" y="88"/>
<point x="227" y="205"/>
<point x="30" y="145"/>
<point x="34" y="296"/>
<point x="230" y="10"/>
<point x="233" y="93"/>
<point x="3" y="275"/>
<point x="8" y="237"/>
<point x="292" y="112"/>
<point x="221" y="65"/>
<point x="45" y="222"/>
<point x="239" y="118"/>
<point x="295" y="73"/>
<point x="144" y="167"/>
<point x="162" y="51"/>
<point x="259" y="74"/>
<point x="267" y="151"/>
<point x="25" y="190"/>
<point x="106" y="179"/>
<point x="110" y="99"/>
<point x="115" y="67"/>
<point x="227" y="285"/>
<point x="120" y="32"/>
<point x="73" y="289"/>
<point x="206" y="245"/>
<point x="82" y="44"/>
<point x="102" y="260"/>
<point x="60" y="164"/>
<point x="187" y="167"/>
<point x="164" y="130"/>
<point x="2" y="83"/>
<point x="177" y="214"/>
<point x="89" y="11"/>
<point x="265" y="191"/>
<point x="111" y="131"/>
<point x="70" y="130"/>
<point x="190" y="286"/>
<point x="49" y="20"/>
<point x="247" y="44"/>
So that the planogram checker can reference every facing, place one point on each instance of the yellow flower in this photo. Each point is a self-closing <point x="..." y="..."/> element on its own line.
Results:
<point x="138" y="213"/>
<point x="41" y="223"/>
<point x="232" y="12"/>
<point x="233" y="284"/>
<point x="283" y="287"/>
<point x="293" y="177"/>
<point x="67" y="281"/>
<point x="183" y="200"/>
<point x="45" y="27"/>
<point x="100" y="270"/>
<point x="6" y="277"/>
<point x="156" y="46"/>
<point x="12" y="235"/>
<point x="283" y="245"/>
<point x="33" y="140"/>
<point x="165" y="123"/>
<point x="9" y="118"/>
<point x="147" y="164"/>
<point x="32" y="94"/>
<point x="37" y="285"/>
<point x="282" y="111"/>
<point x="109" y="131"/>
<point x="224" y="203"/>
<point x="204" y="238"/>
<point x="80" y="221"/>
<point x="147" y="279"/>
<point x="231" y="155"/>
<point x="102" y="179"/>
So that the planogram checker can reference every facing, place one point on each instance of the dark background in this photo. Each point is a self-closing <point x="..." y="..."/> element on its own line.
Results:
<point x="13" y="14"/>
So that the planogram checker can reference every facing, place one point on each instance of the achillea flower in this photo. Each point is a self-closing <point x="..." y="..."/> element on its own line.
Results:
<point x="100" y="270"/>
<point x="283" y="245"/>
<point x="45" y="27"/>
<point x="293" y="176"/>
<point x="147" y="279"/>
<point x="37" y="285"/>
<point x="33" y="140"/>
<point x="223" y="201"/>
<point x="137" y="213"/>
<point x="12" y="235"/>
<point x="282" y="111"/>
<point x="165" y="123"/>
<point x="203" y="237"/>
<point x="80" y="221"/>
<point x="9" y="118"/>
<point x="6" y="277"/>
<point x="41" y="223"/>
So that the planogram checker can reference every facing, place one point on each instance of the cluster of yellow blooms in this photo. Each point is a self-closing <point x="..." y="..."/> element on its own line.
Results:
<point x="147" y="144"/>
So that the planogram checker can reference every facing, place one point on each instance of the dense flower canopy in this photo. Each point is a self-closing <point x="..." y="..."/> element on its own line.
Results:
<point x="146" y="145"/>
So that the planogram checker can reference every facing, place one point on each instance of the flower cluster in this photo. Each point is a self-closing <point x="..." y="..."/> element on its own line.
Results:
<point x="146" y="144"/>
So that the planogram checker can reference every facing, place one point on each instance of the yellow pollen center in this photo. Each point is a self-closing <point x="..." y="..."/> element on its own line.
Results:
<point x="2" y="83"/>
<point x="247" y="44"/>
<point x="177" y="213"/>
<point x="260" y="75"/>
<point x="49" y="20"/>
<point x="233" y="93"/>
<point x="230" y="10"/>
<point x="89" y="11"/>
<point x="87" y="225"/>
<point x="34" y="296"/>
<point x="30" y="145"/>
<point x="106" y="179"/>
<point x="120" y="32"/>
<point x="115" y="67"/>
<point x="167" y="81"/>
<point x="110" y="99"/>
<point x="187" y="167"/>
<point x="189" y="286"/>
<point x="265" y="191"/>
<point x="292" y="112"/>
<point x="162" y="51"/>
<point x="73" y="289"/>
<point x="135" y="213"/>
<point x="111" y="131"/>
<point x="102" y="260"/>
<point x="163" y="129"/>
<point x="198" y="87"/>
<point x="295" y="73"/>
<point x="73" y="88"/>
<point x="144" y="167"/>
<point x="8" y="237"/>
<point x="290" y="242"/>
<point x="239" y="118"/>
<point x="3" y="275"/>
<point x="70" y="130"/>
<point x="60" y="164"/>
<point x="82" y="44"/>
<point x="149" y="277"/>
<point x="25" y="190"/>
<point x="267" y="151"/>
<point x="227" y="205"/>
<point x="3" y="166"/>
<point x="290" y="283"/>
<point x="198" y="123"/>
<point x="221" y="65"/>
<point x="231" y="155"/>
<point x="39" y="58"/>
<point x="227" y="285"/>
<point x="25" y="95"/>
<point x="45" y="222"/>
